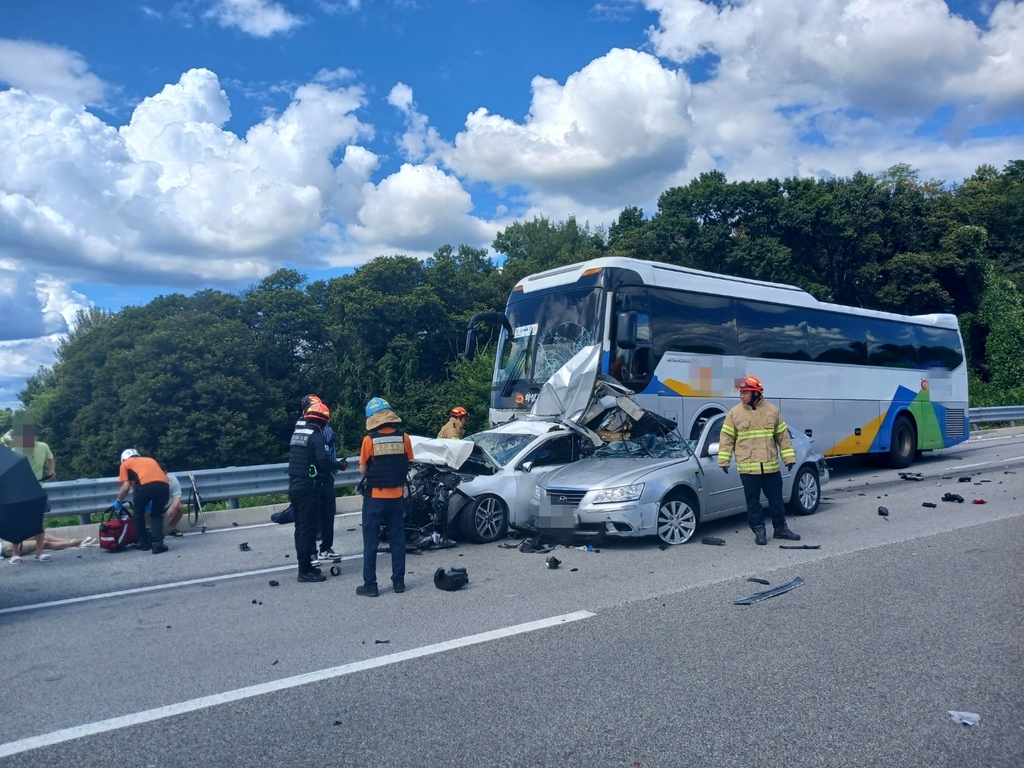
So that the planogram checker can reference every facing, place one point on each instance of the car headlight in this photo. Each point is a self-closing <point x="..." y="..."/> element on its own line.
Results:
<point x="621" y="493"/>
<point x="536" y="493"/>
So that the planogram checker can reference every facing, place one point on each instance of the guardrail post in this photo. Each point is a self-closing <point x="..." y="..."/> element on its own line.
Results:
<point x="84" y="519"/>
<point x="232" y="503"/>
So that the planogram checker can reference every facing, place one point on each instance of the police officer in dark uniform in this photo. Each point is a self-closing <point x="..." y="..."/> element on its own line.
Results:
<point x="308" y="463"/>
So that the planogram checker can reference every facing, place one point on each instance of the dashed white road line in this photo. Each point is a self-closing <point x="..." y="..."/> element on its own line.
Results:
<point x="156" y="587"/>
<point x="205" y="702"/>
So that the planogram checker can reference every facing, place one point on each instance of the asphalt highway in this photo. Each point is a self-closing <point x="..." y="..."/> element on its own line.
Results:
<point x="630" y="656"/>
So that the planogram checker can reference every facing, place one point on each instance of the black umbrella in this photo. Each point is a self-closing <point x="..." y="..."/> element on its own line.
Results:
<point x="22" y="498"/>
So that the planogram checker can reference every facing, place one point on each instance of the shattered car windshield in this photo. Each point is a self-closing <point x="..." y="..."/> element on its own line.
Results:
<point x="647" y="446"/>
<point x="502" y="446"/>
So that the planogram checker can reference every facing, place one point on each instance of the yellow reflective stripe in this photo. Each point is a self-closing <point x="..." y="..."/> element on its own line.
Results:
<point x="724" y="456"/>
<point x="750" y="434"/>
<point x="788" y="453"/>
<point x="758" y="466"/>
<point x="729" y="430"/>
<point x="781" y="428"/>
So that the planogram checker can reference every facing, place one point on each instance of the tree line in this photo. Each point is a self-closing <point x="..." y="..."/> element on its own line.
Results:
<point x="215" y="379"/>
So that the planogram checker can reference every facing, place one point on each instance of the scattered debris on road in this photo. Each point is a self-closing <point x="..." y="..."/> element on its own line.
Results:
<point x="381" y="642"/>
<point x="883" y="511"/>
<point x="452" y="580"/>
<point x="274" y="583"/>
<point x="929" y="504"/>
<point x="553" y="562"/>
<point x="911" y="475"/>
<point x="714" y="541"/>
<point x="979" y="501"/>
<point x="757" y="597"/>
<point x="799" y="546"/>
<point x="244" y="547"/>
<point x="759" y="581"/>
<point x="965" y="718"/>
<point x="965" y="479"/>
<point x="953" y="497"/>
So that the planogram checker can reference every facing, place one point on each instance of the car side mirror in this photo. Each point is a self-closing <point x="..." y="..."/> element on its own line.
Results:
<point x="713" y="449"/>
<point x="526" y="466"/>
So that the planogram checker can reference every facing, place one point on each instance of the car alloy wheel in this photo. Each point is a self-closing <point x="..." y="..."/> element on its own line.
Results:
<point x="677" y="521"/>
<point x="806" y="492"/>
<point x="486" y="520"/>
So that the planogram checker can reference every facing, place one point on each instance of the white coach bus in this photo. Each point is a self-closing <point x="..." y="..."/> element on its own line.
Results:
<point x="856" y="380"/>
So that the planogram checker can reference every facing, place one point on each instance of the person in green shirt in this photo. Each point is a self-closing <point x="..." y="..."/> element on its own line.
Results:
<point x="38" y="453"/>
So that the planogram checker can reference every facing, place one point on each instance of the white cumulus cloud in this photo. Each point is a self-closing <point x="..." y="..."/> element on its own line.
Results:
<point x="255" y="17"/>
<point x="49" y="70"/>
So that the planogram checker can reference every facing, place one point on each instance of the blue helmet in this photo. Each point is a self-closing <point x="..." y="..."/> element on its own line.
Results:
<point x="376" y="404"/>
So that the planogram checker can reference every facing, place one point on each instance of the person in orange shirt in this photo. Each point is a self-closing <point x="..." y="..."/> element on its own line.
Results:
<point x="384" y="462"/>
<point x="149" y="483"/>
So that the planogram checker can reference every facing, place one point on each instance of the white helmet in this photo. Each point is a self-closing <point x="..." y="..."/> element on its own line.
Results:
<point x="128" y="453"/>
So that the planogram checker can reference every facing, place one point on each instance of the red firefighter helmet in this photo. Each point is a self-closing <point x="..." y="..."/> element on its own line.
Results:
<point x="751" y="384"/>
<point x="318" y="411"/>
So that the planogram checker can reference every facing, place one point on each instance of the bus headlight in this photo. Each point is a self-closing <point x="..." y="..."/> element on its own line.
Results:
<point x="619" y="494"/>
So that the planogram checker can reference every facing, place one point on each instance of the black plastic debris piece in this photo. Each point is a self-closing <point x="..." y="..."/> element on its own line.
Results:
<point x="862" y="494"/>
<point x="929" y="504"/>
<point x="533" y="546"/>
<point x="883" y="511"/>
<point x="254" y="602"/>
<point x="168" y="626"/>
<point x="799" y="546"/>
<point x="244" y="547"/>
<point x="287" y="556"/>
<point x="984" y="481"/>
<point x="757" y="597"/>
<point x="381" y="642"/>
<point x="1009" y="472"/>
<point x="275" y="662"/>
<point x="451" y="580"/>
<point x="965" y="479"/>
<point x="574" y="569"/>
<point x="759" y="581"/>
<point x="553" y="562"/>
<point x="953" y="497"/>
<point x="350" y="529"/>
<point x="335" y="570"/>
<point x="274" y="583"/>
<point x="235" y="524"/>
<point x="337" y="722"/>
<point x="714" y="541"/>
<point x="911" y="475"/>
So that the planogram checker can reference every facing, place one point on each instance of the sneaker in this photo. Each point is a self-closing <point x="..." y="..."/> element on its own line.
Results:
<point x="399" y="585"/>
<point x="158" y="547"/>
<point x="312" y="576"/>
<point x="369" y="589"/>
<point x="329" y="554"/>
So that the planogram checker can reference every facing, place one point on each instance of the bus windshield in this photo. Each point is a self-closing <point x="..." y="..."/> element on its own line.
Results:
<point x="547" y="330"/>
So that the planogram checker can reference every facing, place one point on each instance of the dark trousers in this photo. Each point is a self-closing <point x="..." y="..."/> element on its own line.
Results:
<point x="328" y="509"/>
<point x="771" y="485"/>
<point x="157" y="494"/>
<point x="390" y="513"/>
<point x="306" y="504"/>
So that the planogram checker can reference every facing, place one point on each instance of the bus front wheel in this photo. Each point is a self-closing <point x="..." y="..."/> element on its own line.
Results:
<point x="903" y="447"/>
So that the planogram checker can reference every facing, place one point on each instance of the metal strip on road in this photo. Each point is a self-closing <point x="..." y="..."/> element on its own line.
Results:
<point x="205" y="702"/>
<point x="156" y="587"/>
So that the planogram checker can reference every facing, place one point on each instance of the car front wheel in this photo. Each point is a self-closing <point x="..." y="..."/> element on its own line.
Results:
<point x="485" y="520"/>
<point x="806" y="492"/>
<point x="677" y="519"/>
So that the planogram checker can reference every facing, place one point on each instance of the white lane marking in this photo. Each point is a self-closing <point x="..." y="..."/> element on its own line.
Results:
<point x="984" y="463"/>
<point x="253" y="525"/>
<point x="205" y="702"/>
<point x="157" y="587"/>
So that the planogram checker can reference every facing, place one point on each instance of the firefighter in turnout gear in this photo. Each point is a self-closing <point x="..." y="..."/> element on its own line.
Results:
<point x="758" y="437"/>
<point x="384" y="462"/>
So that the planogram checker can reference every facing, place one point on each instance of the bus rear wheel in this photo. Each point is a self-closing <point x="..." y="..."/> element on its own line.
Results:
<point x="903" y="447"/>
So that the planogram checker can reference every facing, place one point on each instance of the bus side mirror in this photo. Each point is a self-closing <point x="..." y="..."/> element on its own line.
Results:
<point x="470" y="343"/>
<point x="625" y="330"/>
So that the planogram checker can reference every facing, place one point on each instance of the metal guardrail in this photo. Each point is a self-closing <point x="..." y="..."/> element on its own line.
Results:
<point x="83" y="497"/>
<point x="1000" y="413"/>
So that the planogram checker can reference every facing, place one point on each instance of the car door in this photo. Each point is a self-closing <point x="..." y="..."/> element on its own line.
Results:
<point x="542" y="458"/>
<point x="725" y="491"/>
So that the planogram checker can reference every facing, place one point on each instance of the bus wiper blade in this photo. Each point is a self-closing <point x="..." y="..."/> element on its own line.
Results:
<point x="514" y="372"/>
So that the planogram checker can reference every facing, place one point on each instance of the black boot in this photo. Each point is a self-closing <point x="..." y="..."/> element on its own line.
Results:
<point x="759" y="535"/>
<point x="158" y="546"/>
<point x="783" y="532"/>
<point x="311" y="575"/>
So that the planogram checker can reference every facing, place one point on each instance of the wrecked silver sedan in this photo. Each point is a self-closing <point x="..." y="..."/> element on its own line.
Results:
<point x="660" y="484"/>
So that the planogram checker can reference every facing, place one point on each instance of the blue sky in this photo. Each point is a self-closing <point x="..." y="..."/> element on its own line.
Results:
<point x="150" y="147"/>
